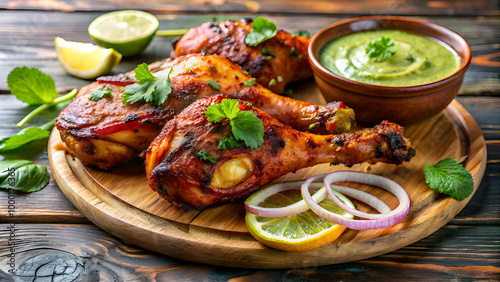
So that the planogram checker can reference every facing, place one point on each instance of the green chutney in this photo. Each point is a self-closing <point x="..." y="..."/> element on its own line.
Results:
<point x="417" y="60"/>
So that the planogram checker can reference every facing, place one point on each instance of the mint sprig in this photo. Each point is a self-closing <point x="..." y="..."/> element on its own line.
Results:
<point x="450" y="178"/>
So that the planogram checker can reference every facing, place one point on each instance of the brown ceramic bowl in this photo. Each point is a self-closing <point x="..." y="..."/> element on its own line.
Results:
<point x="403" y="104"/>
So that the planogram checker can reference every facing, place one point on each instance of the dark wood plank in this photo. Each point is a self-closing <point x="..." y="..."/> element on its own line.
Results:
<point x="393" y="7"/>
<point x="29" y="40"/>
<point x="88" y="253"/>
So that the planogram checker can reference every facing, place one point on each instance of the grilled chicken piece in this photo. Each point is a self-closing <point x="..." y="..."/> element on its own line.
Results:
<point x="108" y="132"/>
<point x="176" y="172"/>
<point x="284" y="55"/>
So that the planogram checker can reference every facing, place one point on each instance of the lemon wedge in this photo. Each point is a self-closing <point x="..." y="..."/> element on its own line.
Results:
<point x="85" y="60"/>
<point x="295" y="233"/>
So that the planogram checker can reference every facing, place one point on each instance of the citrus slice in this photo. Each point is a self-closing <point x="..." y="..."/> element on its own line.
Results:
<point x="128" y="32"/>
<point x="85" y="60"/>
<point x="296" y="233"/>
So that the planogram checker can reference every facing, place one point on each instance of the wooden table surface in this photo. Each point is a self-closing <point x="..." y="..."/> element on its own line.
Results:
<point x="55" y="241"/>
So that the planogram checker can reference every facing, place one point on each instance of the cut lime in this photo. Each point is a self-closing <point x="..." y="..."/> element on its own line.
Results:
<point x="128" y="32"/>
<point x="297" y="233"/>
<point x="85" y="60"/>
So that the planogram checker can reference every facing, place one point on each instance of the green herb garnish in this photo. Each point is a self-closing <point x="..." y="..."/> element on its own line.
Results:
<point x="267" y="52"/>
<point x="25" y="136"/>
<point x="280" y="79"/>
<point x="23" y="175"/>
<point x="250" y="82"/>
<point x="262" y="30"/>
<point x="202" y="155"/>
<point x="272" y="82"/>
<point x="296" y="56"/>
<point x="214" y="84"/>
<point x="450" y="178"/>
<point x="151" y="89"/>
<point x="245" y="125"/>
<point x="99" y="93"/>
<point x="228" y="143"/>
<point x="35" y="88"/>
<point x="303" y="33"/>
<point x="380" y="49"/>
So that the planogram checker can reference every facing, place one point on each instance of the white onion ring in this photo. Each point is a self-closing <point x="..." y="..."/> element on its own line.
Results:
<point x="385" y="220"/>
<point x="296" y="208"/>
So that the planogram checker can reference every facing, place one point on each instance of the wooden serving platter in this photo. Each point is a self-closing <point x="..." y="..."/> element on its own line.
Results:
<point x="120" y="202"/>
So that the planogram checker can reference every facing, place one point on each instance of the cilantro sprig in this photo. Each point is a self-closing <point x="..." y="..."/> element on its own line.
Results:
<point x="245" y="125"/>
<point x="380" y="49"/>
<point x="450" y="178"/>
<point x="262" y="30"/>
<point x="35" y="88"/>
<point x="151" y="89"/>
<point x="99" y="93"/>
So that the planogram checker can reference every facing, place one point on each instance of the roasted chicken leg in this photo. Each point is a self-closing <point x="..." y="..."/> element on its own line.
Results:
<point x="108" y="132"/>
<point x="177" y="172"/>
<point x="274" y="62"/>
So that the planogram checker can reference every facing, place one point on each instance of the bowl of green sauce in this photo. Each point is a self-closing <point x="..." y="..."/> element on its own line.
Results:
<point x="400" y="69"/>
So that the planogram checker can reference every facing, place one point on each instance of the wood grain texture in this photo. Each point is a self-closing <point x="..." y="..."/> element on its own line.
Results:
<point x="121" y="202"/>
<point x="452" y="252"/>
<point x="444" y="7"/>
<point x="28" y="39"/>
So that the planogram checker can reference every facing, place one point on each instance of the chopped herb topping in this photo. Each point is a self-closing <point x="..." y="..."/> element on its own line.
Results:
<point x="250" y="82"/>
<point x="272" y="82"/>
<point x="202" y="155"/>
<point x="151" y="89"/>
<point x="296" y="56"/>
<point x="100" y="92"/>
<point x="214" y="84"/>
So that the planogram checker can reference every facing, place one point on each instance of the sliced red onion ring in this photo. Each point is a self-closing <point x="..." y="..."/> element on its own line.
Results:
<point x="251" y="204"/>
<point x="384" y="220"/>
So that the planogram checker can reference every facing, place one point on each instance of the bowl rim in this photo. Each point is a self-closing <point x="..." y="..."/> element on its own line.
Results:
<point x="391" y="90"/>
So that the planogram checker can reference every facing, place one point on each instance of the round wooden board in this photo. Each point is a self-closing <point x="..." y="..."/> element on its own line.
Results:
<point x="120" y="202"/>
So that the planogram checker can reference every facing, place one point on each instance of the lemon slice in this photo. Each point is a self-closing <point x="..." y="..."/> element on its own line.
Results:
<point x="128" y="32"/>
<point x="296" y="233"/>
<point x="85" y="60"/>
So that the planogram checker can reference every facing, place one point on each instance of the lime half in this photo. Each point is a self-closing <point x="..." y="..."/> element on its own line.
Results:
<point x="296" y="233"/>
<point x="128" y="32"/>
<point x="85" y="60"/>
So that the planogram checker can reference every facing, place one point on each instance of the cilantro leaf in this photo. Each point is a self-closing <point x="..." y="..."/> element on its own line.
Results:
<point x="151" y="89"/>
<point x="202" y="155"/>
<point x="228" y="143"/>
<point x="248" y="128"/>
<point x="214" y="84"/>
<point x="31" y="86"/>
<point x="450" y="178"/>
<point x="245" y="125"/>
<point x="262" y="30"/>
<point x="380" y="49"/>
<point x="23" y="175"/>
<point x="100" y="92"/>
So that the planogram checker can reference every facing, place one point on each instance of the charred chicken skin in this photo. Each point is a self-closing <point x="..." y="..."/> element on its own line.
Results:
<point x="274" y="62"/>
<point x="177" y="173"/>
<point x="108" y="132"/>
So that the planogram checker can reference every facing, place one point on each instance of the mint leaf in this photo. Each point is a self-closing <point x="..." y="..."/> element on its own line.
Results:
<point x="262" y="30"/>
<point x="31" y="86"/>
<point x="380" y="49"/>
<point x="213" y="84"/>
<point x="97" y="94"/>
<point x="23" y="137"/>
<point x="151" y="89"/>
<point x="23" y="176"/>
<point x="450" y="178"/>
<point x="202" y="155"/>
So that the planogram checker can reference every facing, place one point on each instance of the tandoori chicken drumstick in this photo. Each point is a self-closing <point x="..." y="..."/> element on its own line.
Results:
<point x="186" y="165"/>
